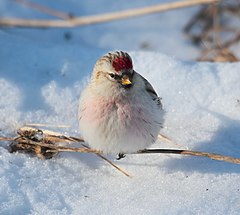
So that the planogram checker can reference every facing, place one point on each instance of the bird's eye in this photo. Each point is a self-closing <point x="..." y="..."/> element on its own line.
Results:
<point x="112" y="75"/>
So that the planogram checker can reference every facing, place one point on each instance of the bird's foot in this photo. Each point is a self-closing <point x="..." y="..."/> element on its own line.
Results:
<point x="120" y="156"/>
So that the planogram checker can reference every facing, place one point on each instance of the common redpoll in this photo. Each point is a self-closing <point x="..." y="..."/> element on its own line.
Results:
<point x="119" y="110"/>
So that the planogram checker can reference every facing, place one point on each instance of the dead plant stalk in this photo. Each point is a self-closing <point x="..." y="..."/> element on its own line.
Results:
<point x="94" y="19"/>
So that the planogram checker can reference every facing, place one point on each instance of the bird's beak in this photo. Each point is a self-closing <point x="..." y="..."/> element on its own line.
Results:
<point x="125" y="81"/>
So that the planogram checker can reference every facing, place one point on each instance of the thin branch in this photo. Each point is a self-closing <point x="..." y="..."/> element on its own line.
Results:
<point x="193" y="153"/>
<point x="216" y="24"/>
<point x="45" y="10"/>
<point x="217" y="55"/>
<point x="114" y="165"/>
<point x="110" y="162"/>
<point x="46" y="125"/>
<point x="87" y="20"/>
<point x="6" y="139"/>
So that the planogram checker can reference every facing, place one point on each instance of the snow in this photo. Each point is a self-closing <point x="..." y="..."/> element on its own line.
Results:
<point x="41" y="78"/>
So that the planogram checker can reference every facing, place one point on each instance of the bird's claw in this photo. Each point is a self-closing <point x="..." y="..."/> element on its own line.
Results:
<point x="120" y="156"/>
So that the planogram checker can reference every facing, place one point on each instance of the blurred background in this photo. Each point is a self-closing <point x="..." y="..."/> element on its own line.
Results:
<point x="209" y="32"/>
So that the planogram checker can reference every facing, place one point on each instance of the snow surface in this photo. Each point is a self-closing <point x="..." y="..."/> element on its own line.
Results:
<point x="41" y="78"/>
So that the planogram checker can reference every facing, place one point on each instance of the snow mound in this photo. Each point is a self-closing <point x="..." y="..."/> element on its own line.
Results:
<point x="202" y="107"/>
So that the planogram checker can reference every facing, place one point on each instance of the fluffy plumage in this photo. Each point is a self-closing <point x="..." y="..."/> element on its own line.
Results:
<point x="119" y="110"/>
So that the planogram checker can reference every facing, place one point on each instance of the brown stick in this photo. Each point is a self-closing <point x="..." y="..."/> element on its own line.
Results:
<point x="6" y="139"/>
<point x="45" y="10"/>
<point x="114" y="165"/>
<point x="87" y="20"/>
<point x="193" y="153"/>
<point x="110" y="162"/>
<point x="216" y="25"/>
<point x="46" y="125"/>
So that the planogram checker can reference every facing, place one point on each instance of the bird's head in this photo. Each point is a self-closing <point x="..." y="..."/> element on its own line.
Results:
<point x="114" y="70"/>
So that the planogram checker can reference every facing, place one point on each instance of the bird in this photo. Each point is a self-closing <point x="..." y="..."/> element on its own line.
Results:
<point x="119" y="111"/>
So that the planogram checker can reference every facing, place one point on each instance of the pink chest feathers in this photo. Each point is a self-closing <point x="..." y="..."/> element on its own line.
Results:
<point x="99" y="111"/>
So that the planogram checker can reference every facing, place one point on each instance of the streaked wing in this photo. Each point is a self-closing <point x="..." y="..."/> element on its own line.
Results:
<point x="151" y="91"/>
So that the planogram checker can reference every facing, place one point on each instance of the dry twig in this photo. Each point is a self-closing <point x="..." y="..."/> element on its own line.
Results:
<point x="46" y="125"/>
<point x="205" y="28"/>
<point x="45" y="10"/>
<point x="110" y="162"/>
<point x="87" y="20"/>
<point x="217" y="55"/>
<point x="193" y="153"/>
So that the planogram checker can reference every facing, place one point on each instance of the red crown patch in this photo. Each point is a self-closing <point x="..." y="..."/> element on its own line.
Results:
<point x="122" y="63"/>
